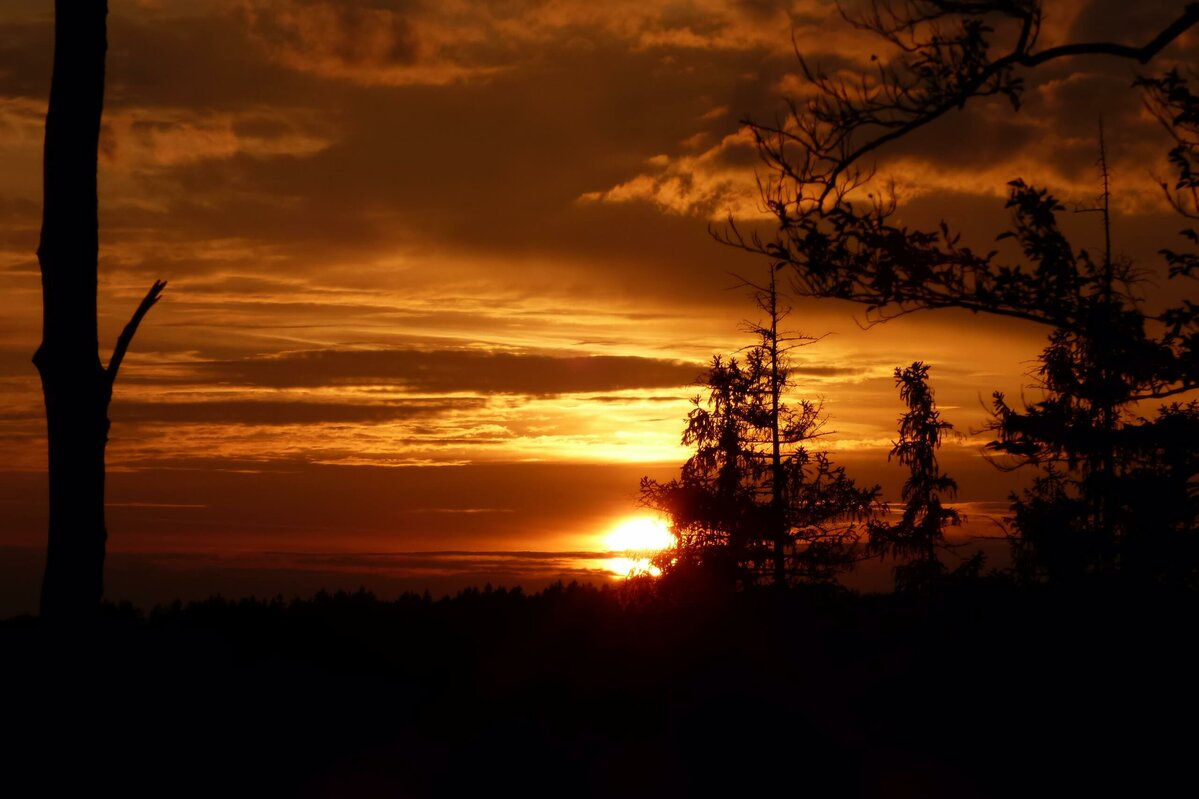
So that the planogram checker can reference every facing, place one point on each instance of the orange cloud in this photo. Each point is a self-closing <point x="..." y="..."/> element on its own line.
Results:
<point x="149" y="138"/>
<point x="714" y="184"/>
<point x="976" y="153"/>
<point x="377" y="42"/>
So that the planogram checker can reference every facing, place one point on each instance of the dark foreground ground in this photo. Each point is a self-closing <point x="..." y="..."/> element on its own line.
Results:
<point x="982" y="690"/>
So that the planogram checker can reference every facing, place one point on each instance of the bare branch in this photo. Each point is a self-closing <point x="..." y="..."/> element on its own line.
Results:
<point x="1019" y="56"/>
<point x="126" y="337"/>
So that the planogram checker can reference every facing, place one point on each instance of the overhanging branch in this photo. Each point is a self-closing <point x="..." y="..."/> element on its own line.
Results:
<point x="1020" y="57"/>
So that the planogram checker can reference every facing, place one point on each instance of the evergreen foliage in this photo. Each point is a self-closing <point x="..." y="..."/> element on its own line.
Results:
<point x="757" y="502"/>
<point x="920" y="532"/>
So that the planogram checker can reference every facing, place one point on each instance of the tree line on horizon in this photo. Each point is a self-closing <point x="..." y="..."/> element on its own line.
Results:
<point x="1115" y="492"/>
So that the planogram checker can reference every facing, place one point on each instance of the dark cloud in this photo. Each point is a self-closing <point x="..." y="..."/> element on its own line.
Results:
<point x="983" y="132"/>
<point x="354" y="33"/>
<point x="739" y="153"/>
<point x="204" y="61"/>
<point x="801" y="369"/>
<point x="253" y="412"/>
<point x="409" y="166"/>
<point x="1117" y="21"/>
<point x="618" y="399"/>
<point x="452" y="371"/>
<point x="26" y="53"/>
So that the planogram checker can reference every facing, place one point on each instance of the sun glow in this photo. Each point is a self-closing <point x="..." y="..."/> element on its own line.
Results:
<point x="637" y="539"/>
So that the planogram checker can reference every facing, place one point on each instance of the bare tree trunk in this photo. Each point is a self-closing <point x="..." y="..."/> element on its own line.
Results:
<point x="76" y="386"/>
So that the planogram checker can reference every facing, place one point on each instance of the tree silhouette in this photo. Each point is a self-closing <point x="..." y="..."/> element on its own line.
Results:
<point x="1107" y="471"/>
<point x="948" y="57"/>
<point x="838" y="238"/>
<point x="1117" y="490"/>
<point x="920" y="532"/>
<point x="755" y="502"/>
<point x="77" y="388"/>
<point x="711" y="506"/>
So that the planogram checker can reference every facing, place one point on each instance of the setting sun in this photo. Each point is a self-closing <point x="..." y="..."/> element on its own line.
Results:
<point x="640" y="534"/>
<point x="637" y="539"/>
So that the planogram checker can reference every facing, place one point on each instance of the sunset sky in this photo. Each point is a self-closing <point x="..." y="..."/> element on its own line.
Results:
<point x="440" y="276"/>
